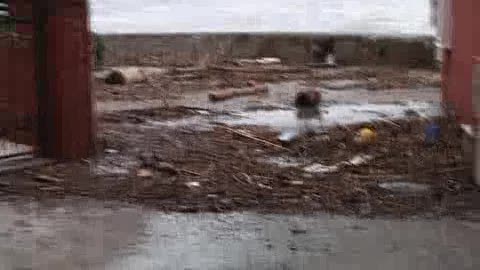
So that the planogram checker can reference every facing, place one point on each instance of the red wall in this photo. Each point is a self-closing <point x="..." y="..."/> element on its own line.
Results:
<point x="67" y="99"/>
<point x="18" y="78"/>
<point x="466" y="44"/>
<point x="69" y="78"/>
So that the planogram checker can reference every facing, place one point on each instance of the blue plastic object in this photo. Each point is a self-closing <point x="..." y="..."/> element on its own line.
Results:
<point x="432" y="134"/>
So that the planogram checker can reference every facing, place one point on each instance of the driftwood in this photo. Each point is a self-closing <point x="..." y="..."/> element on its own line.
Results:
<point x="251" y="137"/>
<point x="231" y="93"/>
<point x="263" y="69"/>
<point x="126" y="75"/>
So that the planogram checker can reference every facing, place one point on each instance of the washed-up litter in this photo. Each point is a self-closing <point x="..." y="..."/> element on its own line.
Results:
<point x="432" y="134"/>
<point x="111" y="151"/>
<point x="324" y="169"/>
<point x="404" y="187"/>
<point x="359" y="160"/>
<point x="296" y="183"/>
<point x="193" y="184"/>
<point x="268" y="61"/>
<point x="288" y="136"/>
<point x="166" y="167"/>
<point x="144" y="173"/>
<point x="48" y="179"/>
<point x="366" y="136"/>
<point x="320" y="168"/>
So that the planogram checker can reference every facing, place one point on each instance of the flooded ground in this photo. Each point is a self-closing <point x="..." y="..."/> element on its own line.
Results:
<point x="164" y="144"/>
<point x="89" y="234"/>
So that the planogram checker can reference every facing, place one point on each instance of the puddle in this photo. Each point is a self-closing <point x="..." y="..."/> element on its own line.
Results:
<point x="293" y="122"/>
<point x="199" y="123"/>
<point x="405" y="187"/>
<point x="344" y="84"/>
<point x="334" y="114"/>
<point x="284" y="162"/>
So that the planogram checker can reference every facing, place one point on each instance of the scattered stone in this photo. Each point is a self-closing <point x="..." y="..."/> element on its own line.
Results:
<point x="212" y="196"/>
<point x="144" y="173"/>
<point x="251" y="83"/>
<point x="166" y="167"/>
<point x="307" y="175"/>
<point x="298" y="227"/>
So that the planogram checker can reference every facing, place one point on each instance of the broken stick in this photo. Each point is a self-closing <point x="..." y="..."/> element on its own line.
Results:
<point x="251" y="137"/>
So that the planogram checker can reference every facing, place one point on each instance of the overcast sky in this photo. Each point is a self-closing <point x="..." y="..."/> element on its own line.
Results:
<point x="340" y="16"/>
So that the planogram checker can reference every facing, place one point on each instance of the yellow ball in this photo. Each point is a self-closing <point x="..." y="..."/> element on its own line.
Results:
<point x="367" y="135"/>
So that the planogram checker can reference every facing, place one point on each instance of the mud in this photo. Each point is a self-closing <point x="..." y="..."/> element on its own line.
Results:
<point x="191" y="155"/>
<point x="178" y="82"/>
<point x="231" y="172"/>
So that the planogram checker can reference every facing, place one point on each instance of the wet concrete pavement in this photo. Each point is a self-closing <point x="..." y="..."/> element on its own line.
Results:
<point x="86" y="234"/>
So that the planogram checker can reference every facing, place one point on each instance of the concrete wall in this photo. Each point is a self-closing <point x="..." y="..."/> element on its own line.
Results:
<point x="201" y="49"/>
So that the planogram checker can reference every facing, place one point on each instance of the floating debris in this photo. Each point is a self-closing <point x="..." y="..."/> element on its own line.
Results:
<point x="404" y="187"/>
<point x="144" y="173"/>
<point x="193" y="184"/>
<point x="320" y="168"/>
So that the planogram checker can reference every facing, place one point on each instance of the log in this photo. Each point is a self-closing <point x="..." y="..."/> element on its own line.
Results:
<point x="231" y="93"/>
<point x="126" y="75"/>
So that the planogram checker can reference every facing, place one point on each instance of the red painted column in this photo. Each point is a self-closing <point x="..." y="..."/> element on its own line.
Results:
<point x="460" y="63"/>
<point x="67" y="98"/>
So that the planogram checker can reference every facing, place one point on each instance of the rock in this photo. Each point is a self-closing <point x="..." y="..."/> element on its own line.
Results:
<point x="111" y="151"/>
<point x="252" y="83"/>
<point x="307" y="175"/>
<point x="297" y="226"/>
<point x="310" y="98"/>
<point x="166" y="167"/>
<point x="144" y="173"/>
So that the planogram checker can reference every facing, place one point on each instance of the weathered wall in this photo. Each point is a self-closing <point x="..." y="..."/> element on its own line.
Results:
<point x="18" y="109"/>
<point x="458" y="68"/>
<point x="194" y="49"/>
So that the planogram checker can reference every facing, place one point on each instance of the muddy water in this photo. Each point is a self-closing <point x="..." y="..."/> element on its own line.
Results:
<point x="335" y="114"/>
<point x="85" y="234"/>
